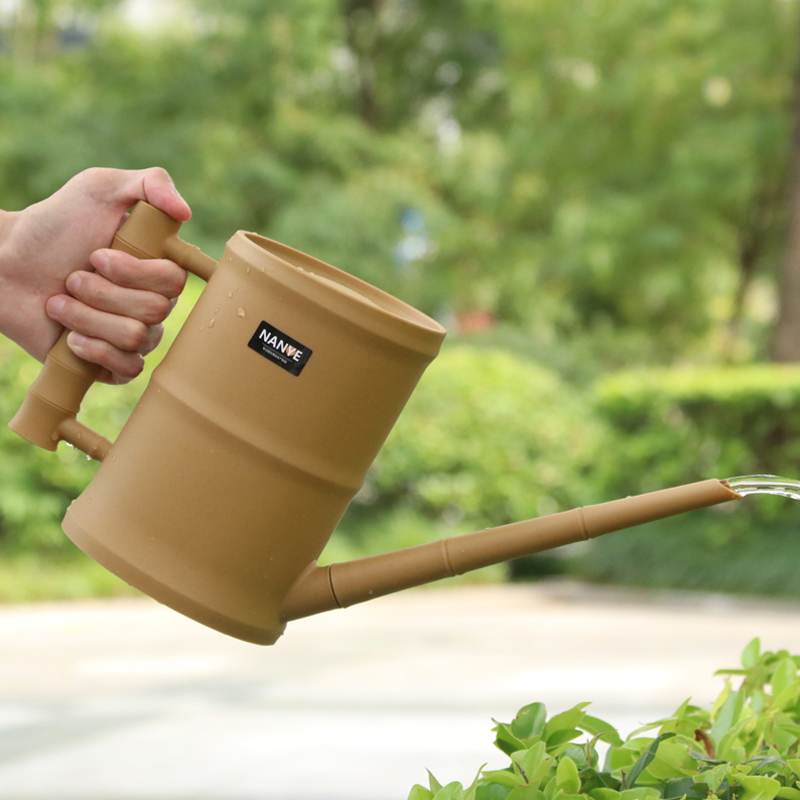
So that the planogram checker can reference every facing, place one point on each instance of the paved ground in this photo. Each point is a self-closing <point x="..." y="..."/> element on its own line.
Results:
<point x="126" y="700"/>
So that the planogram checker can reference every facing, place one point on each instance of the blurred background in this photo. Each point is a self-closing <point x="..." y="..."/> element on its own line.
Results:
<point x="595" y="198"/>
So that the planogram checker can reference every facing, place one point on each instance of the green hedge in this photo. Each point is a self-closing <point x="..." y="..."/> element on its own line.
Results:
<point x="675" y="425"/>
<point x="680" y="425"/>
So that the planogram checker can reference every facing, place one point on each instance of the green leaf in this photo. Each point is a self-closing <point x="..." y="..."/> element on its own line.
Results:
<point x="523" y="793"/>
<point x="685" y="787"/>
<point x="503" y="777"/>
<point x="788" y="793"/>
<point x="533" y="762"/>
<point x="728" y="716"/>
<point x="505" y="739"/>
<point x="620" y="758"/>
<point x="758" y="788"/>
<point x="765" y="761"/>
<point x="751" y="654"/>
<point x="784" y="681"/>
<point x="558" y="738"/>
<point x="722" y="697"/>
<point x="567" y="778"/>
<point x="640" y="793"/>
<point x="604" y="794"/>
<point x="489" y="791"/>
<point x="673" y="760"/>
<point x="794" y="765"/>
<point x="453" y="791"/>
<point x="530" y="721"/>
<point x="420" y="793"/>
<point x="646" y="757"/>
<point x="579" y="753"/>
<point x="433" y="783"/>
<point x="705" y="758"/>
<point x="600" y="729"/>
<point x="566" y="720"/>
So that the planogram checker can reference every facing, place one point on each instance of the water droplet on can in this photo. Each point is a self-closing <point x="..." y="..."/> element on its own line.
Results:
<point x="211" y="323"/>
<point x="240" y="312"/>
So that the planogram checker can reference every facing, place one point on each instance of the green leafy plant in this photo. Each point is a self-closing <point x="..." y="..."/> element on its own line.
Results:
<point x="745" y="747"/>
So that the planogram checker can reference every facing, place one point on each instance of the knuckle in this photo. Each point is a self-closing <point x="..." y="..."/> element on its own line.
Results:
<point x="179" y="276"/>
<point x="130" y="367"/>
<point x="159" y="173"/>
<point x="74" y="314"/>
<point x="136" y="336"/>
<point x="120" y="267"/>
<point x="158" y="311"/>
<point x="91" y="177"/>
<point x="154" y="336"/>
<point x="93" y="289"/>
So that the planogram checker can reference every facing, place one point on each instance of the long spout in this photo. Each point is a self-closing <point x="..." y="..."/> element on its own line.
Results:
<point x="345" y="584"/>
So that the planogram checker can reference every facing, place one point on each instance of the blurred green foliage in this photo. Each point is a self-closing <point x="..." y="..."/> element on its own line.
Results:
<point x="688" y="424"/>
<point x="601" y="184"/>
<point x="491" y="438"/>
<point x="592" y="170"/>
<point x="488" y="438"/>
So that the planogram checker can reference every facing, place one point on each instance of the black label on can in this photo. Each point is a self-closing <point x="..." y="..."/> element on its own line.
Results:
<point x="279" y="348"/>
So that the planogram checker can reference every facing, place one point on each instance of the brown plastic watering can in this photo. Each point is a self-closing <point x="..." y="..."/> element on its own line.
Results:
<point x="254" y="434"/>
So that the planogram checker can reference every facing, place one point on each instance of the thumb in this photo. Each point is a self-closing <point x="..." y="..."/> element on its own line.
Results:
<point x="155" y="186"/>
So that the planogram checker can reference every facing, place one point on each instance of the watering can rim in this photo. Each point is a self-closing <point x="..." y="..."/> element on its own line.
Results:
<point x="368" y="299"/>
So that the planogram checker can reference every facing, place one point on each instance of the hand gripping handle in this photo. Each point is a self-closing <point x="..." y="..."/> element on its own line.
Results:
<point x="48" y="413"/>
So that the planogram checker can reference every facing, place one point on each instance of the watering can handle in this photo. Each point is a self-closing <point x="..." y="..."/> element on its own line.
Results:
<point x="48" y="413"/>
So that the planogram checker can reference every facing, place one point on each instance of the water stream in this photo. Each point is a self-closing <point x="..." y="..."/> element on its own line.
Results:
<point x="764" y="484"/>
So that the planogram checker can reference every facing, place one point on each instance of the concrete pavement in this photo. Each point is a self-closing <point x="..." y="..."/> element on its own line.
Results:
<point x="126" y="700"/>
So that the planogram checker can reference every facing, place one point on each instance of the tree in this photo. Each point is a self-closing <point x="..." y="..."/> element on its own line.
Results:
<point x="786" y="342"/>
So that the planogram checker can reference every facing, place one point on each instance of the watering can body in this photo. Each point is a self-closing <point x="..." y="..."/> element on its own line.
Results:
<point x="254" y="434"/>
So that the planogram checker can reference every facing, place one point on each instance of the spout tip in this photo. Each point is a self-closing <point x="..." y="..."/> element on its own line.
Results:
<point x="734" y="495"/>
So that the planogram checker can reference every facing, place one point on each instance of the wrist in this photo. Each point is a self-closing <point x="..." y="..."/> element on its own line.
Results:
<point x="7" y="270"/>
<point x="7" y="220"/>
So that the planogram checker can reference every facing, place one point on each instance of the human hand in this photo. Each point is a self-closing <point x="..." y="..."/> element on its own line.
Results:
<point x="56" y="271"/>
